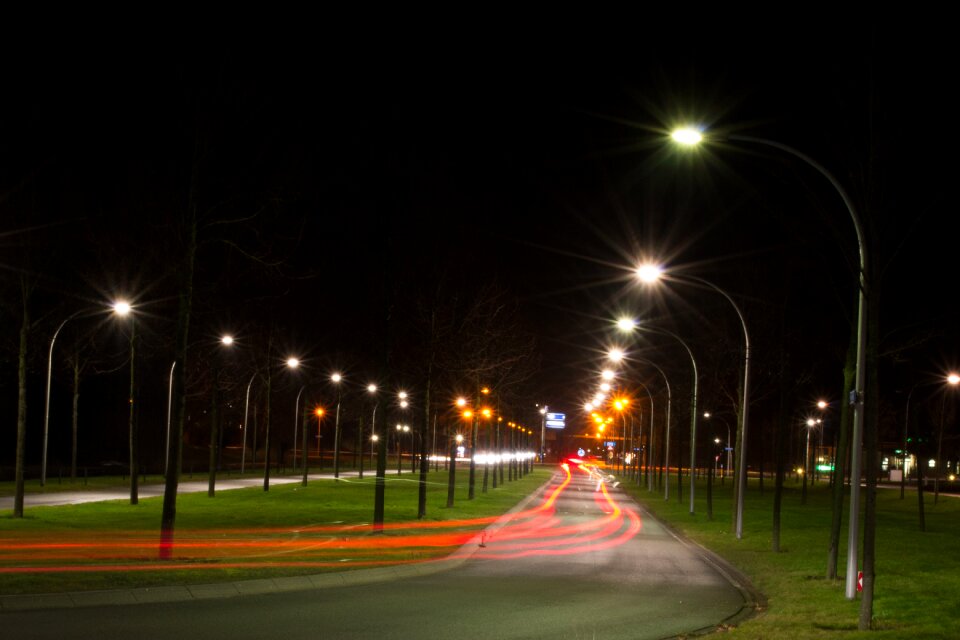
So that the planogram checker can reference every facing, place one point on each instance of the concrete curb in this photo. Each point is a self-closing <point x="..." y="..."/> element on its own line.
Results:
<point x="148" y="595"/>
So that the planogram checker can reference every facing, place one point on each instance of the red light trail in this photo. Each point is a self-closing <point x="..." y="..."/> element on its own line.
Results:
<point x="530" y="532"/>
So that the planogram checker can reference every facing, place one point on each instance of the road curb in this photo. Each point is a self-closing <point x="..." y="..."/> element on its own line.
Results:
<point x="182" y="593"/>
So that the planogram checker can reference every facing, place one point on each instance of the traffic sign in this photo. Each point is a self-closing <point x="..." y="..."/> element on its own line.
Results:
<point x="556" y="420"/>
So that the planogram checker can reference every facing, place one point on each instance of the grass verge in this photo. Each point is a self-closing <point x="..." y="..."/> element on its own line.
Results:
<point x="918" y="573"/>
<point x="244" y="533"/>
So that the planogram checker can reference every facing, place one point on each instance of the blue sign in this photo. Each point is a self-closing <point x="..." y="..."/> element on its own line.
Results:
<point x="556" y="420"/>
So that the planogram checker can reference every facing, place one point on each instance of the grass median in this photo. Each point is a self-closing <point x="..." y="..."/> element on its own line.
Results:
<point x="245" y="533"/>
<point x="918" y="573"/>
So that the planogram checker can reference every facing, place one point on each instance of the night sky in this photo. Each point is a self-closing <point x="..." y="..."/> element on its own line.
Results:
<point x="334" y="169"/>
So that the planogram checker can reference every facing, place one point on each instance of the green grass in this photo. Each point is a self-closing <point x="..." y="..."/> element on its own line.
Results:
<point x="282" y="516"/>
<point x="918" y="573"/>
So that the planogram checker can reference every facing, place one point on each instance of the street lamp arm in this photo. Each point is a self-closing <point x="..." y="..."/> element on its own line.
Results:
<point x="743" y="324"/>
<point x="847" y="201"/>
<point x="861" y="370"/>
<point x="46" y="408"/>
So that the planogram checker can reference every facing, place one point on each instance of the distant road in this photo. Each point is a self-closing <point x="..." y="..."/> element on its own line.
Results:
<point x="578" y="562"/>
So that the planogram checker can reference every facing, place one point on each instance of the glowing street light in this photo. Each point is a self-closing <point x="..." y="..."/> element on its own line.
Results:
<point x="120" y="308"/>
<point x="649" y="273"/>
<point x="687" y="136"/>
<point x="226" y="340"/>
<point x="293" y="363"/>
<point x="607" y="374"/>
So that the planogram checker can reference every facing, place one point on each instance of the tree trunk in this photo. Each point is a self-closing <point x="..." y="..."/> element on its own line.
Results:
<point x="25" y="289"/>
<point x="779" y="440"/>
<point x="380" y="488"/>
<point x="422" y="485"/>
<point x="175" y="446"/>
<point x="132" y="422"/>
<point x="214" y="434"/>
<point x="451" y="477"/>
<point x="74" y="418"/>
<point x="266" y="433"/>
<point x="920" y="511"/>
<point x="841" y="454"/>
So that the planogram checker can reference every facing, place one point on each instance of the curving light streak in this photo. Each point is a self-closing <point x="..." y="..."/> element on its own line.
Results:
<point x="540" y="530"/>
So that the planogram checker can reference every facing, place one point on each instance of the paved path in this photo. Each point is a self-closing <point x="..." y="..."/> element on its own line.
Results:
<point x="577" y="561"/>
<point x="100" y="494"/>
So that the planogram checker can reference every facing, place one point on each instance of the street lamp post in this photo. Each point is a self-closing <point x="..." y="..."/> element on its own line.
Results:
<point x="372" y="390"/>
<point x="953" y="380"/>
<point x="215" y="426"/>
<point x="46" y="409"/>
<point x="690" y="136"/>
<point x="629" y="324"/>
<point x="707" y="415"/>
<point x="291" y="363"/>
<point x="451" y="478"/>
<point x="336" y="379"/>
<point x="666" y="381"/>
<point x="543" y="431"/>
<point x="296" y="422"/>
<point x="319" y="412"/>
<point x="811" y="423"/>
<point x="652" y="273"/>
<point x="246" y="415"/>
<point x="120" y="308"/>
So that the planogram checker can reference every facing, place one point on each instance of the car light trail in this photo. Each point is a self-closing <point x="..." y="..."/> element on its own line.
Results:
<point x="536" y="531"/>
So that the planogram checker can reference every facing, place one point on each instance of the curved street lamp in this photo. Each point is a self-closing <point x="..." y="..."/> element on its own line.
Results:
<point x="653" y="273"/>
<point x="336" y="379"/>
<point x="629" y="324"/>
<point x="692" y="136"/>
<point x="120" y="308"/>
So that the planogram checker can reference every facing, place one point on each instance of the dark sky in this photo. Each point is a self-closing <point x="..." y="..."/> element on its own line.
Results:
<point x="537" y="160"/>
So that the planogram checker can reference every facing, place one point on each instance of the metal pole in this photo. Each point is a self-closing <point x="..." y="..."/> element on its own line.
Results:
<point x="166" y="457"/>
<point x="336" y="439"/>
<point x="857" y="396"/>
<point x="543" y="432"/>
<point x="693" y="418"/>
<point x="745" y="410"/>
<point x="296" y="409"/>
<point x="46" y="409"/>
<point x="246" y="412"/>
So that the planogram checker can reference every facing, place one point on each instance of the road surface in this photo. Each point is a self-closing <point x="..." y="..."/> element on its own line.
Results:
<point x="579" y="561"/>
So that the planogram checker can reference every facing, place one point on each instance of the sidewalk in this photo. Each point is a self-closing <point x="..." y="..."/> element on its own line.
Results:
<point x="55" y="498"/>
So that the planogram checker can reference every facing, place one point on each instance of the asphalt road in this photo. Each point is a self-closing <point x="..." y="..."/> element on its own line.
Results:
<point x="579" y="561"/>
